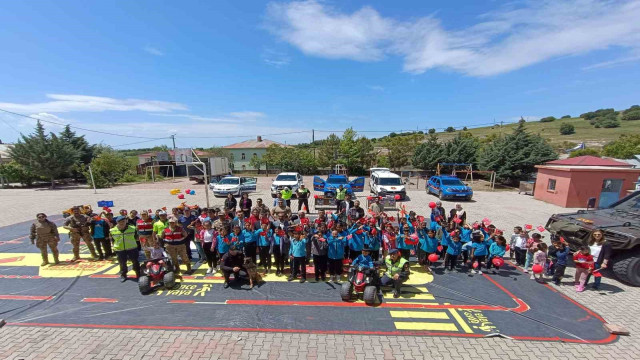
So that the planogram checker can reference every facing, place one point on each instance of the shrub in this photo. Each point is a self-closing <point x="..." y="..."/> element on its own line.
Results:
<point x="582" y="152"/>
<point x="432" y="131"/>
<point x="566" y="117"/>
<point x="450" y="129"/>
<point x="567" y="129"/>
<point x="631" y="115"/>
<point x="548" y="119"/>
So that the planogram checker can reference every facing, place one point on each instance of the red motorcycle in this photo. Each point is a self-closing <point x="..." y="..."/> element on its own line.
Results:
<point x="155" y="273"/>
<point x="363" y="281"/>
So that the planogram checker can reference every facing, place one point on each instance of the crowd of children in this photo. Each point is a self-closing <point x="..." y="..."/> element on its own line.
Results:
<point x="273" y="240"/>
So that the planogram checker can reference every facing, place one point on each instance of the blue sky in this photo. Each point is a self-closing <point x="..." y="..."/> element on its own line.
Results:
<point x="218" y="72"/>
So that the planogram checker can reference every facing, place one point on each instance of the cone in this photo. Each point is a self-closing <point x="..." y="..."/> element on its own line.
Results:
<point x="304" y="208"/>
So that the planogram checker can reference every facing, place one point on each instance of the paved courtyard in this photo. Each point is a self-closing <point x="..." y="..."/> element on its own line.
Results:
<point x="617" y="303"/>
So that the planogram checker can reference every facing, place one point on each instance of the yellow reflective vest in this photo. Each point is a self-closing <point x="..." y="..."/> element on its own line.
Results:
<point x="124" y="240"/>
<point x="394" y="268"/>
<point x="340" y="194"/>
<point x="286" y="194"/>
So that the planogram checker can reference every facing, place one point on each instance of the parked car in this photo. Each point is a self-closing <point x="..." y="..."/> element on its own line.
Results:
<point x="333" y="181"/>
<point x="234" y="185"/>
<point x="448" y="187"/>
<point x="384" y="182"/>
<point x="620" y="223"/>
<point x="292" y="180"/>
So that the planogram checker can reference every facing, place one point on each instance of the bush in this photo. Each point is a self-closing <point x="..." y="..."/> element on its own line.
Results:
<point x="432" y="131"/>
<point x="583" y="152"/>
<point x="108" y="168"/>
<point x="566" y="117"/>
<point x="598" y="113"/>
<point x="15" y="172"/>
<point x="131" y="177"/>
<point x="464" y="128"/>
<point x="450" y="129"/>
<point x="548" y="119"/>
<point x="631" y="115"/>
<point x="624" y="148"/>
<point x="567" y="129"/>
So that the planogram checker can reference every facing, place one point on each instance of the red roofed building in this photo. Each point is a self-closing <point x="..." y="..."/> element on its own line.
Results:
<point x="571" y="182"/>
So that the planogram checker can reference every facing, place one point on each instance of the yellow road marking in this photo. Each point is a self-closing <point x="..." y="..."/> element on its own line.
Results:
<point x="412" y="302"/>
<point x="460" y="321"/>
<point x="410" y="296"/>
<point x="420" y="314"/>
<point x="417" y="289"/>
<point x="429" y="326"/>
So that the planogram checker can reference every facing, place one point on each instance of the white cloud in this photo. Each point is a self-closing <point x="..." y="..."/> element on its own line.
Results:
<point x="233" y="117"/>
<point x="376" y="87"/>
<point x="153" y="51"/>
<point x="613" y="63"/>
<point x="68" y="103"/>
<point x="504" y="40"/>
<point x="275" y="58"/>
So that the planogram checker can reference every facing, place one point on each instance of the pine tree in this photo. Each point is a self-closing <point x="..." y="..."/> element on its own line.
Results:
<point x="85" y="151"/>
<point x="514" y="156"/>
<point x="45" y="155"/>
<point x="462" y="149"/>
<point x="428" y="154"/>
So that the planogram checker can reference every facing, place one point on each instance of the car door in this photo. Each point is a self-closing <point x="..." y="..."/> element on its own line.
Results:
<point x="357" y="184"/>
<point x="319" y="183"/>
<point x="430" y="184"/>
<point x="248" y="184"/>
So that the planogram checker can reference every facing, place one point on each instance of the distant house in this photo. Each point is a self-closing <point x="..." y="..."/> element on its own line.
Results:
<point x="243" y="152"/>
<point x="167" y="158"/>
<point x="571" y="182"/>
<point x="5" y="157"/>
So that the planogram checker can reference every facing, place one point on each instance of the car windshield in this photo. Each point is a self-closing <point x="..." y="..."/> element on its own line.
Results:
<point x="390" y="181"/>
<point x="229" y="181"/>
<point x="286" y="178"/>
<point x="337" y="180"/>
<point x="452" y="182"/>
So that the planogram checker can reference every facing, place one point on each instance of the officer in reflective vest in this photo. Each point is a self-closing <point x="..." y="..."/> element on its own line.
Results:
<point x="397" y="271"/>
<point x="125" y="246"/>
<point x="341" y="193"/>
<point x="286" y="196"/>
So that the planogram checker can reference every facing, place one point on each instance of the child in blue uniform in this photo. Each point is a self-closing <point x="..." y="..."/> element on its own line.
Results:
<point x="496" y="250"/>
<point x="428" y="246"/>
<point x="265" y="239"/>
<point x="335" y="252"/>
<point x="298" y="255"/>
<point x="454" y="247"/>
<point x="478" y="251"/>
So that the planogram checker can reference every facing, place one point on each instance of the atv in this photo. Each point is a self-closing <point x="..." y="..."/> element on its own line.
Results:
<point x="362" y="281"/>
<point x="156" y="273"/>
<point x="620" y="223"/>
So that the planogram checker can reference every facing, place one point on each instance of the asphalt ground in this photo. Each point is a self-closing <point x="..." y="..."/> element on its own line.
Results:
<point x="89" y="294"/>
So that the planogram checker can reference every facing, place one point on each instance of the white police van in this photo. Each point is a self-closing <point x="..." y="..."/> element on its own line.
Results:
<point x="383" y="183"/>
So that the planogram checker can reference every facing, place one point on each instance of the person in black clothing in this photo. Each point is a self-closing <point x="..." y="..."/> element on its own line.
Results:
<point x="230" y="203"/>
<point x="233" y="263"/>
<point x="303" y="198"/>
<point x="601" y="251"/>
<point x="245" y="205"/>
<point x="356" y="212"/>
<point x="344" y="206"/>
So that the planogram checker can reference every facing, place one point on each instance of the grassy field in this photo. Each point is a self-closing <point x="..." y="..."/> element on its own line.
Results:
<point x="585" y="132"/>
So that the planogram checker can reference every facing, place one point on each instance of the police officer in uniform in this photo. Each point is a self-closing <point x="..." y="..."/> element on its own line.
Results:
<point x="125" y="246"/>
<point x="397" y="271"/>
<point x="78" y="226"/>
<point x="43" y="233"/>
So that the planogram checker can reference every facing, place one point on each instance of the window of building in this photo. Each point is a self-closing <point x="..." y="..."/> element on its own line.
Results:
<point x="244" y="167"/>
<point x="551" y="185"/>
<point x="243" y="157"/>
<point x="255" y="155"/>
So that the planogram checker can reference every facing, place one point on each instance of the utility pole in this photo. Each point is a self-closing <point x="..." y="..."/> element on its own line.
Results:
<point x="313" y="142"/>
<point x="173" y="138"/>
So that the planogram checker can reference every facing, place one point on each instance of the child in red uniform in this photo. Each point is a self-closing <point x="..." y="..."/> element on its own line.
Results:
<point x="584" y="262"/>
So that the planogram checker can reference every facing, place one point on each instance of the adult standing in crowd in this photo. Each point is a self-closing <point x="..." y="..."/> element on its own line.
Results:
<point x="188" y="219"/>
<point x="260" y="206"/>
<point x="356" y="212"/>
<point x="43" y="233"/>
<point x="245" y="205"/>
<point x="441" y="210"/>
<point x="124" y="244"/>
<point x="459" y="212"/>
<point x="144" y="226"/>
<point x="601" y="251"/>
<point x="303" y="198"/>
<point x="376" y="207"/>
<point x="78" y="226"/>
<point x="174" y="239"/>
<point x="160" y="224"/>
<point x="281" y="208"/>
<point x="230" y="203"/>
<point x="341" y="193"/>
<point x="286" y="195"/>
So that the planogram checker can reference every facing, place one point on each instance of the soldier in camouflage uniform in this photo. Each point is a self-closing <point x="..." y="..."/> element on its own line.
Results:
<point x="78" y="226"/>
<point x="43" y="233"/>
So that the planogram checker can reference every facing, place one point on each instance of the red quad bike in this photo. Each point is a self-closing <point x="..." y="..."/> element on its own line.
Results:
<point x="362" y="281"/>
<point x="159" y="273"/>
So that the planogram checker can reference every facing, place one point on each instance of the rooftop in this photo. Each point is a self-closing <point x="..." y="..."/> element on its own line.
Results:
<point x="588" y="160"/>
<point x="258" y="143"/>
<point x="171" y="153"/>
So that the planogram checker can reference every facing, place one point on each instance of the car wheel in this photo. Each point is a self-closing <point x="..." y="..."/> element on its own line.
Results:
<point x="627" y="268"/>
<point x="440" y="196"/>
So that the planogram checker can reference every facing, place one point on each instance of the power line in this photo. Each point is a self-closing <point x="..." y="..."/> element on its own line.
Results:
<point x="80" y="128"/>
<point x="11" y="126"/>
<point x="137" y="142"/>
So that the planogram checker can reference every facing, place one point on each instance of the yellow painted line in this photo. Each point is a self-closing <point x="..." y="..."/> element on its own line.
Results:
<point x="460" y="321"/>
<point x="417" y="289"/>
<point x="442" y="315"/>
<point x="429" y="326"/>
<point x="411" y="296"/>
